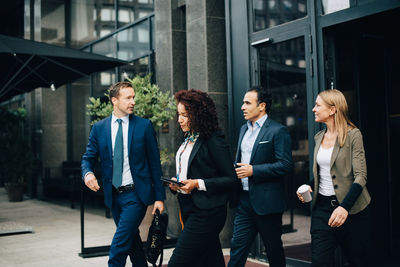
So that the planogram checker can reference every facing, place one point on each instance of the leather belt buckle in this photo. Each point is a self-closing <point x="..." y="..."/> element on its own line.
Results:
<point x="334" y="203"/>
<point x="125" y="188"/>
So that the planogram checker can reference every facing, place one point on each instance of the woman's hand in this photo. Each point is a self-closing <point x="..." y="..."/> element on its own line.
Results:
<point x="174" y="187"/>
<point x="338" y="217"/>
<point x="301" y="197"/>
<point x="190" y="184"/>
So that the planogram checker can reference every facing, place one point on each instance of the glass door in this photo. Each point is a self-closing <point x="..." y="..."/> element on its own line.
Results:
<point x="282" y="69"/>
<point x="280" y="51"/>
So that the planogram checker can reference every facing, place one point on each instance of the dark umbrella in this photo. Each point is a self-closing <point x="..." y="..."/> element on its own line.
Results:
<point x="26" y="65"/>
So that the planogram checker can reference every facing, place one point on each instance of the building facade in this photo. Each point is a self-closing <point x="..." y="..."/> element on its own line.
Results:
<point x="296" y="48"/>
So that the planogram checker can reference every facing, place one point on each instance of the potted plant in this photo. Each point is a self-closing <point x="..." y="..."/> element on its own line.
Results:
<point x="16" y="158"/>
<point x="151" y="103"/>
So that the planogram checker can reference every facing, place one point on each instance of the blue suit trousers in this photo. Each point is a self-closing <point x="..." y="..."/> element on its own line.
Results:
<point x="128" y="212"/>
<point x="246" y="225"/>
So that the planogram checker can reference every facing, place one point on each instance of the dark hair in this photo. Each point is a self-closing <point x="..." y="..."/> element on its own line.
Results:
<point x="263" y="96"/>
<point x="201" y="111"/>
<point x="113" y="91"/>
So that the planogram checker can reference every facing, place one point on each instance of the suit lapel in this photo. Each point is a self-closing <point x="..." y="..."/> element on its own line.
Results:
<point x="195" y="148"/>
<point x="318" y="142"/>
<point x="260" y="135"/>
<point x="130" y="132"/>
<point x="335" y="152"/>
<point x="242" y="132"/>
<point x="108" y="136"/>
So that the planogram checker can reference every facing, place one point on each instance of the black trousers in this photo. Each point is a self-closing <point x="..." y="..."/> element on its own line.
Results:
<point x="353" y="236"/>
<point x="198" y="244"/>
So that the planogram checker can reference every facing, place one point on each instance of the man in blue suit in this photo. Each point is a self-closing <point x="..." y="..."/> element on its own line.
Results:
<point x="130" y="170"/>
<point x="263" y="158"/>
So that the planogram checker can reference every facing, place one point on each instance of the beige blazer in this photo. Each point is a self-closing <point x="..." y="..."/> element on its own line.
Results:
<point x="347" y="167"/>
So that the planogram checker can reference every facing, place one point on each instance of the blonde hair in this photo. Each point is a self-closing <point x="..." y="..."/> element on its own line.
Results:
<point x="335" y="98"/>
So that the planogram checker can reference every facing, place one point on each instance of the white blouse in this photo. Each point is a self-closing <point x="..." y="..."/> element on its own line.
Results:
<point x="324" y="163"/>
<point x="183" y="155"/>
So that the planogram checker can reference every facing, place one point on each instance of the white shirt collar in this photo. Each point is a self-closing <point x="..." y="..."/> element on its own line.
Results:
<point x="259" y="122"/>
<point x="114" y="118"/>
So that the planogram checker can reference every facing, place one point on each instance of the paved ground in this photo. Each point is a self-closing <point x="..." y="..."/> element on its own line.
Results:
<point x="55" y="240"/>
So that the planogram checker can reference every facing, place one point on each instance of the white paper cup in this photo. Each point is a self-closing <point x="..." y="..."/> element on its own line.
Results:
<point x="304" y="191"/>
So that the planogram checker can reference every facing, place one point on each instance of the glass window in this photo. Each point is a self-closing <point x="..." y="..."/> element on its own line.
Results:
<point x="330" y="6"/>
<point x="282" y="70"/>
<point x="132" y="10"/>
<point x="126" y="15"/>
<point x="101" y="83"/>
<point x="138" y="67"/>
<point x="106" y="47"/>
<point x="53" y="22"/>
<point x="91" y="20"/>
<point x="134" y="42"/>
<point x="269" y="13"/>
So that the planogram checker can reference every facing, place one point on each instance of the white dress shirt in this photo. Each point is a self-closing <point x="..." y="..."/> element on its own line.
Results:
<point x="246" y="147"/>
<point x="126" y="172"/>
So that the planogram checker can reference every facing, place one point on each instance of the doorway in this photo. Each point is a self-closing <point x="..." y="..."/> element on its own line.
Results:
<point x="363" y="61"/>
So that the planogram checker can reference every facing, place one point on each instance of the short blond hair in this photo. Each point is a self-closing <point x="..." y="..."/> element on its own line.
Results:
<point x="335" y="98"/>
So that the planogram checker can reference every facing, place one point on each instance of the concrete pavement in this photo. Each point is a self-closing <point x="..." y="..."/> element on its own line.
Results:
<point x="55" y="240"/>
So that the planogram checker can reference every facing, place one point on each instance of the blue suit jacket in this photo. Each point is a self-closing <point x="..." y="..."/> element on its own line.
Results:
<point x="144" y="158"/>
<point x="271" y="159"/>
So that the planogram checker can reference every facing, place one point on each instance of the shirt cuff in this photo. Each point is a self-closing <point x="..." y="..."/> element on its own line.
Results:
<point x="86" y="174"/>
<point x="202" y="185"/>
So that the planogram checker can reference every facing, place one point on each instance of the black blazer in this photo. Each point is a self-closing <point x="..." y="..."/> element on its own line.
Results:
<point x="271" y="159"/>
<point x="211" y="161"/>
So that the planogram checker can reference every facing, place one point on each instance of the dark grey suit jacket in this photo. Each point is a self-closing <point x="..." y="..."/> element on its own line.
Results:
<point x="271" y="159"/>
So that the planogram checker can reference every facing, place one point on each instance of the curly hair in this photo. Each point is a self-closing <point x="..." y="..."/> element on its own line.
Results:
<point x="201" y="111"/>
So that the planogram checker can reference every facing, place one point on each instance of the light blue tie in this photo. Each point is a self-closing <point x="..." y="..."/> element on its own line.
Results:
<point x="118" y="160"/>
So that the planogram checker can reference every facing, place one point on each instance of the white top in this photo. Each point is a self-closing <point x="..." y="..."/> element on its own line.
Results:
<point x="126" y="172"/>
<point x="181" y="173"/>
<point x="324" y="163"/>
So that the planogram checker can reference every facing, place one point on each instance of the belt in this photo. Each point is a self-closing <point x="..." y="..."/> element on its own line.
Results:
<point x="332" y="200"/>
<point x="125" y="188"/>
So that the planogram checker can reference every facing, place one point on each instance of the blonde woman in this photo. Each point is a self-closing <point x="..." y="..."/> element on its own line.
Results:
<point x="340" y="211"/>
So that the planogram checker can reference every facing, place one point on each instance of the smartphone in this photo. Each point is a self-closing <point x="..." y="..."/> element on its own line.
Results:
<point x="168" y="180"/>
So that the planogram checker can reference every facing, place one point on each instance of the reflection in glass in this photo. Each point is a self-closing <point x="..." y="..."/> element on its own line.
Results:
<point x="101" y="83"/>
<point x="138" y="67"/>
<point x="269" y="13"/>
<point x="330" y="6"/>
<point x="129" y="11"/>
<point x="90" y="20"/>
<point x="134" y="42"/>
<point x="52" y="22"/>
<point x="106" y="47"/>
<point x="282" y="70"/>
<point x="80" y="91"/>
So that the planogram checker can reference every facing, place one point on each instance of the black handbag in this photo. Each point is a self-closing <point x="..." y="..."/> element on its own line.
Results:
<point x="156" y="237"/>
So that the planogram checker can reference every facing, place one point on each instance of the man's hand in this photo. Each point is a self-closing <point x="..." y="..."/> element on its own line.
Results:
<point x="91" y="182"/>
<point x="158" y="205"/>
<point x="173" y="187"/>
<point x="338" y="217"/>
<point x="245" y="170"/>
<point x="190" y="184"/>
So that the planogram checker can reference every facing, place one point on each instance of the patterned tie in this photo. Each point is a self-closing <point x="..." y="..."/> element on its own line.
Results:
<point x="118" y="160"/>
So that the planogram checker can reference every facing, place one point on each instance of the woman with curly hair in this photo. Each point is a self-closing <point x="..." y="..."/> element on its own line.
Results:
<point x="204" y="166"/>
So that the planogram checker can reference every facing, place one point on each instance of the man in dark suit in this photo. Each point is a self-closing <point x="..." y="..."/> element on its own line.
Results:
<point x="263" y="158"/>
<point x="130" y="170"/>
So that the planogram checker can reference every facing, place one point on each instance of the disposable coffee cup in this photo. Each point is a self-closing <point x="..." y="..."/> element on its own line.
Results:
<point x="304" y="191"/>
